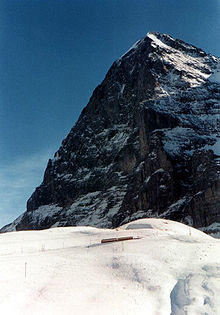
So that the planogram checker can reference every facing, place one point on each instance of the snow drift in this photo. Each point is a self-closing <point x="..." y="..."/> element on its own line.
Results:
<point x="171" y="269"/>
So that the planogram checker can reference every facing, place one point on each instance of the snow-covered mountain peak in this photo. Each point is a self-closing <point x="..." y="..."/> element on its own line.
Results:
<point x="157" y="40"/>
<point x="187" y="62"/>
<point x="168" y="42"/>
<point x="145" y="145"/>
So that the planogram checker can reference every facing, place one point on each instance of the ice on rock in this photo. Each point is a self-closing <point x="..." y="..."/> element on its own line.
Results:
<point x="215" y="77"/>
<point x="157" y="42"/>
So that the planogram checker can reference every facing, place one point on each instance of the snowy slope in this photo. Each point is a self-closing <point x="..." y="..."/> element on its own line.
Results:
<point x="171" y="269"/>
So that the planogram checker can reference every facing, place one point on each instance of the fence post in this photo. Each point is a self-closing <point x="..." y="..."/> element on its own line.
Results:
<point x="25" y="270"/>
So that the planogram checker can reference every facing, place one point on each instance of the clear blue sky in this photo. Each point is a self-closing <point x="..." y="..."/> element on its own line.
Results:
<point x="53" y="53"/>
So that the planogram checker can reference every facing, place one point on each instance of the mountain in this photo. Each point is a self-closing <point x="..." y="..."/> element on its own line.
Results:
<point x="167" y="268"/>
<point x="146" y="145"/>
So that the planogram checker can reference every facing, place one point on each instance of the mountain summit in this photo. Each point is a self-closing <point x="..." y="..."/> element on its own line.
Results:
<point x="146" y="145"/>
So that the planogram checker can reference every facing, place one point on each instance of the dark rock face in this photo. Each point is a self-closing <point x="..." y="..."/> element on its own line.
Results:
<point x="146" y="145"/>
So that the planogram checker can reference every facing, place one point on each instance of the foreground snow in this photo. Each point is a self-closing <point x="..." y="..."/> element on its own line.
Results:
<point x="171" y="269"/>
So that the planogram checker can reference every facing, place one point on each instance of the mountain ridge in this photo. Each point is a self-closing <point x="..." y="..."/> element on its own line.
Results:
<point x="138" y="148"/>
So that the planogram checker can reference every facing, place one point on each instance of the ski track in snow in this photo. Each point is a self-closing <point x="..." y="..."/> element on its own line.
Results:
<point x="172" y="269"/>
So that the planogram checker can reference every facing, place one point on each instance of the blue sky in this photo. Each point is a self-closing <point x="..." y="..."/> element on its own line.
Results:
<point x="53" y="53"/>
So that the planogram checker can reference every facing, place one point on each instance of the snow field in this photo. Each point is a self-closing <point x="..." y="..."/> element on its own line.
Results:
<point x="172" y="269"/>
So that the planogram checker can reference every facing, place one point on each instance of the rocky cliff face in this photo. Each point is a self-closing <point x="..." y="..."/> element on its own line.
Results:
<point x="146" y="145"/>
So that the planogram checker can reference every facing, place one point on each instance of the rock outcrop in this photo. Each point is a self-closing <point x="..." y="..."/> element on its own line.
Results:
<point x="146" y="145"/>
